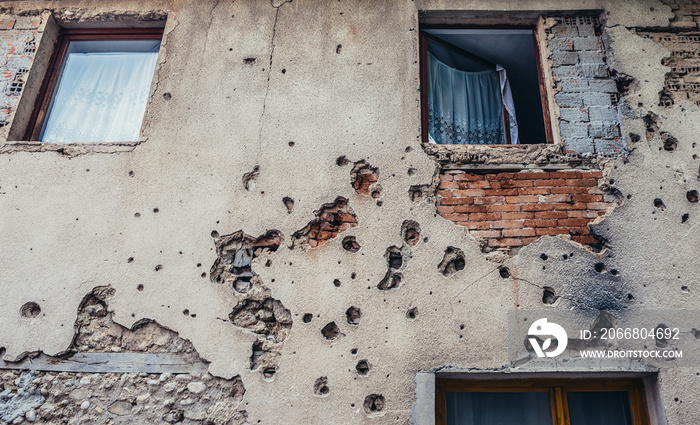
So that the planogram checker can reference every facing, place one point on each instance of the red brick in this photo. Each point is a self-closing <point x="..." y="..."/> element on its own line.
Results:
<point x="466" y="177"/>
<point x="480" y="184"/>
<point x="490" y="200"/>
<point x="518" y="233"/>
<point x="583" y="214"/>
<point x="499" y="176"/>
<point x="524" y="199"/>
<point x="468" y="192"/>
<point x="446" y="177"/>
<point x="506" y="224"/>
<point x="594" y="191"/>
<point x="457" y="217"/>
<point x="565" y="174"/>
<point x="501" y="192"/>
<point x="573" y="222"/>
<point x="454" y="201"/>
<point x="551" y="214"/>
<point x="516" y="183"/>
<point x="528" y="241"/>
<point x="586" y="240"/>
<point x="592" y="174"/>
<point x="505" y="242"/>
<point x="567" y="189"/>
<point x="550" y="183"/>
<point x="540" y="223"/>
<point x="475" y="225"/>
<point x="582" y="182"/>
<point x="445" y="209"/>
<point x="562" y="197"/>
<point x="597" y="206"/>
<point x="551" y="231"/>
<point x="444" y="193"/>
<point x="484" y="217"/>
<point x="448" y="185"/>
<point x="588" y="198"/>
<point x="582" y="231"/>
<point x="502" y="208"/>
<point x="469" y="208"/>
<point x="534" y="191"/>
<point x="566" y="207"/>
<point x="487" y="233"/>
<point x="518" y="215"/>
<point x="532" y="175"/>
<point x="536" y="207"/>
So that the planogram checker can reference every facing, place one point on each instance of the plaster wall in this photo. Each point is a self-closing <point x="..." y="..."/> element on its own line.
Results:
<point x="253" y="104"/>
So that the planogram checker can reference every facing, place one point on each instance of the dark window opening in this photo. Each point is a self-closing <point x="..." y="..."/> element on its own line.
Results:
<point x="482" y="86"/>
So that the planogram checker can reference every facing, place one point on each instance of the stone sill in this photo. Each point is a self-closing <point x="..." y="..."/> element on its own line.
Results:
<point x="68" y="149"/>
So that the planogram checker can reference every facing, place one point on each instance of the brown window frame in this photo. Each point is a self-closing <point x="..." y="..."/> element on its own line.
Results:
<point x="557" y="389"/>
<point x="36" y="120"/>
<point x="423" y="59"/>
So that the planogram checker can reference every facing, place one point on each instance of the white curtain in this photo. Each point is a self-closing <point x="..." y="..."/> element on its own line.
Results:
<point x="521" y="408"/>
<point x="101" y="97"/>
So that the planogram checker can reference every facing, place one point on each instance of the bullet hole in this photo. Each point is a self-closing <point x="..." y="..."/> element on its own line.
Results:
<point x="544" y="257"/>
<point x="504" y="272"/>
<point x="696" y="157"/>
<point x="380" y="203"/>
<point x="614" y="272"/>
<point x="137" y="215"/>
<point x="376" y="193"/>
<point x="412" y="171"/>
<point x="353" y="275"/>
<point x="412" y="313"/>
<point x="353" y="351"/>
<point x="660" y="333"/>
<point x="565" y="256"/>
<point x="284" y="71"/>
<point x="363" y="177"/>
<point x="374" y="403"/>
<point x="269" y="373"/>
<point x="670" y="142"/>
<point x="339" y="48"/>
<point x="159" y="267"/>
<point x="130" y="260"/>
<point x="330" y="331"/>
<point x="186" y="312"/>
<point x="321" y="387"/>
<point x="415" y="193"/>
<point x="350" y="244"/>
<point x="650" y="121"/>
<point x="635" y="138"/>
<point x="549" y="296"/>
<point x="215" y="234"/>
<point x="131" y="174"/>
<point x="268" y="263"/>
<point x="156" y="210"/>
<point x="630" y="297"/>
<point x="363" y="367"/>
<point x="342" y="161"/>
<point x="167" y="96"/>
<point x="139" y="288"/>
<point x="452" y="262"/>
<point x="249" y="178"/>
<point x="410" y="231"/>
<point x="599" y="267"/>
<point x="291" y="144"/>
<point x="288" y="203"/>
<point x="307" y="318"/>
<point x="692" y="196"/>
<point x="249" y="61"/>
<point x="658" y="203"/>
<point x="394" y="258"/>
<point x="391" y="280"/>
<point x="685" y="217"/>
<point x="331" y="219"/>
<point x="685" y="289"/>
<point x="336" y="283"/>
<point x="353" y="314"/>
<point x="30" y="310"/>
<point x="695" y="332"/>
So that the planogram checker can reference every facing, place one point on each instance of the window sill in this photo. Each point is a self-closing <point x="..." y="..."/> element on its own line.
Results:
<point x="505" y="156"/>
<point x="68" y="149"/>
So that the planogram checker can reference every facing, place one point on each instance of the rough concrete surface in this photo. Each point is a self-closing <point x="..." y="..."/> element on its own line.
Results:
<point x="253" y="105"/>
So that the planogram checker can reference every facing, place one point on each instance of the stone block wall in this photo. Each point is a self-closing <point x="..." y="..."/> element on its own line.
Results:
<point x="586" y="93"/>
<point x="515" y="209"/>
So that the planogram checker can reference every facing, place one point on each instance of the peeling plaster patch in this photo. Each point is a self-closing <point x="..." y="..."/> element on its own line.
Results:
<point x="363" y="178"/>
<point x="331" y="220"/>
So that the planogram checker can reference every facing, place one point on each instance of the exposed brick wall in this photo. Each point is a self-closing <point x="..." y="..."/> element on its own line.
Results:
<point x="331" y="220"/>
<point x="687" y="13"/>
<point x="586" y="93"/>
<point x="19" y="38"/>
<point x="515" y="209"/>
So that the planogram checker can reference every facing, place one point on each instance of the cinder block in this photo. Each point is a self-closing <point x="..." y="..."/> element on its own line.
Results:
<point x="610" y="146"/>
<point x="562" y="30"/>
<point x="573" y="85"/>
<point x="603" y="114"/>
<point x="560" y="44"/>
<point x="28" y="22"/>
<point x="564" y="58"/>
<point x="602" y="85"/>
<point x="6" y="24"/>
<point x="584" y="146"/>
<point x="609" y="130"/>
<point x="569" y="100"/>
<point x="596" y="99"/>
<point x="563" y="72"/>
<point x="573" y="130"/>
<point x="574" y="115"/>
<point x="587" y="43"/>
<point x="591" y="58"/>
<point x="586" y="30"/>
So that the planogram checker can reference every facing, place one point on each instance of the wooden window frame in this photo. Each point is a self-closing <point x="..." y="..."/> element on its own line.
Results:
<point x="557" y="389"/>
<point x="423" y="59"/>
<point x="36" y="120"/>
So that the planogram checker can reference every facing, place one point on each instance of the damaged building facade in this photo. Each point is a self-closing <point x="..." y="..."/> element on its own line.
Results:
<point x="283" y="242"/>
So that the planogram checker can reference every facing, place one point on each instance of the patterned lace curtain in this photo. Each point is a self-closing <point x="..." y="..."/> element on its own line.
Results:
<point x="101" y="97"/>
<point x="464" y="107"/>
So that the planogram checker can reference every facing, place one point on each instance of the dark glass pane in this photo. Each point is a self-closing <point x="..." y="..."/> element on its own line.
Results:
<point x="599" y="408"/>
<point x="526" y="408"/>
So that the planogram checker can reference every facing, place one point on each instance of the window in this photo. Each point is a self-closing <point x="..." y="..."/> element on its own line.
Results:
<point x="482" y="86"/>
<point x="541" y="402"/>
<point x="97" y="87"/>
